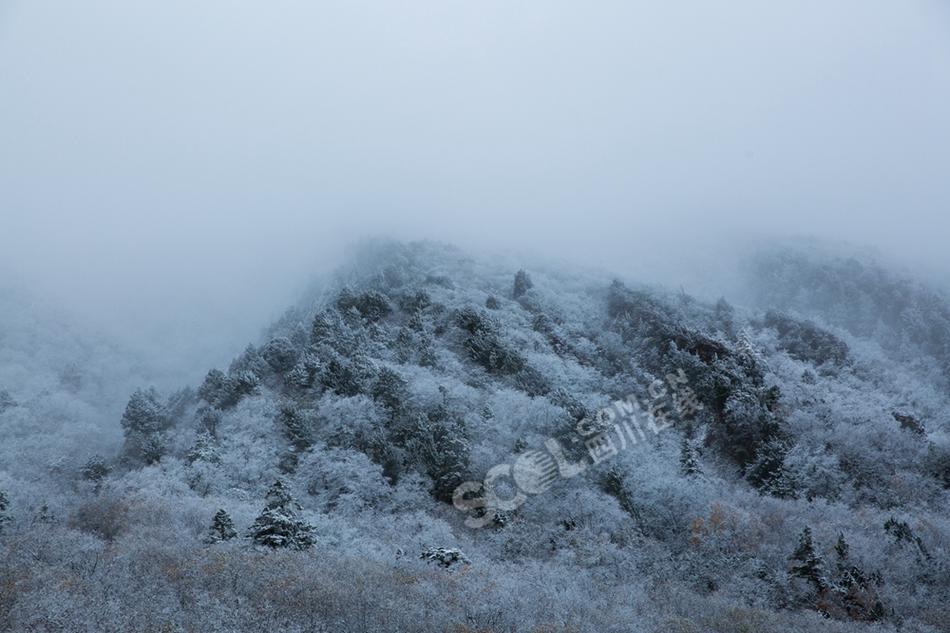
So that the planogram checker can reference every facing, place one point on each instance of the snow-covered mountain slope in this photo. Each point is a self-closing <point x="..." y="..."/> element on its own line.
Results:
<point x="462" y="445"/>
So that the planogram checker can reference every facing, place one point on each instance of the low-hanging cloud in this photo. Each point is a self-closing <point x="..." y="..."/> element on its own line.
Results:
<point x="183" y="167"/>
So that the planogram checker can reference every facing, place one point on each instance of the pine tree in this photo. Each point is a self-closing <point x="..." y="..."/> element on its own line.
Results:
<point x="806" y="563"/>
<point x="4" y="504"/>
<point x="854" y="589"/>
<point x="95" y="470"/>
<point x="522" y="284"/>
<point x="222" y="528"/>
<point x="279" y="524"/>
<point x="215" y="390"/>
<point x="842" y="549"/>
<point x="297" y="426"/>
<point x="390" y="390"/>
<point x="689" y="463"/>
<point x="204" y="449"/>
<point x="143" y="422"/>
<point x="768" y="473"/>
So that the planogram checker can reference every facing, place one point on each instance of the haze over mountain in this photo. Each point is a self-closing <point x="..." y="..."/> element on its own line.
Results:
<point x="182" y="168"/>
<point x="547" y="316"/>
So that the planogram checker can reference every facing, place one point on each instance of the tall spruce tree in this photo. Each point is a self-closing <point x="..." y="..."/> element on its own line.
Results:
<point x="222" y="528"/>
<point x="522" y="284"/>
<point x="279" y="525"/>
<point x="689" y="462"/>
<point x="143" y="422"/>
<point x="807" y="564"/>
<point x="4" y="504"/>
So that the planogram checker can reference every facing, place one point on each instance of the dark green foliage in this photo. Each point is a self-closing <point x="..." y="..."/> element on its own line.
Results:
<point x="143" y="422"/>
<point x="279" y="354"/>
<point x="492" y="303"/>
<point x="444" y="557"/>
<point x="807" y="564"/>
<point x="323" y="327"/>
<point x="546" y="326"/>
<point x="853" y="589"/>
<point x="370" y="305"/>
<point x="248" y="363"/>
<point x="216" y="389"/>
<point x="4" y="505"/>
<point x="222" y="528"/>
<point x="522" y="284"/>
<point x="436" y="443"/>
<point x="404" y="345"/>
<point x="613" y="484"/>
<point x="297" y="426"/>
<point x="910" y="423"/>
<point x="347" y="376"/>
<point x="805" y="341"/>
<point x="485" y="346"/>
<point x="902" y="533"/>
<point x="689" y="460"/>
<point x="415" y="302"/>
<point x="243" y="383"/>
<point x="938" y="463"/>
<point x="279" y="525"/>
<point x="331" y="332"/>
<point x="95" y="470"/>
<point x="427" y="353"/>
<point x="391" y="391"/>
<point x="849" y="593"/>
<point x="728" y="383"/>
<point x="767" y="471"/>
<point x="531" y="381"/>
<point x="569" y="403"/>
<point x="225" y="391"/>
<point x="304" y="373"/>
<point x="339" y="377"/>
<point x="842" y="550"/>
<point x="6" y="400"/>
<point x="203" y="450"/>
<point x="444" y="452"/>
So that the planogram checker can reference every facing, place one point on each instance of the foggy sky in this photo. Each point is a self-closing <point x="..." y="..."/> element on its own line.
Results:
<point x="178" y="169"/>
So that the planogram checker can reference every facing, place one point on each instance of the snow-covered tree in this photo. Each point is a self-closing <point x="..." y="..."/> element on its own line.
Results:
<point x="297" y="426"/>
<point x="279" y="525"/>
<point x="280" y="354"/>
<point x="222" y="528"/>
<point x="807" y="564"/>
<point x="4" y="504"/>
<point x="95" y="470"/>
<point x="689" y="460"/>
<point x="204" y="449"/>
<point x="216" y="389"/>
<point x="522" y="284"/>
<point x="446" y="557"/>
<point x="143" y="422"/>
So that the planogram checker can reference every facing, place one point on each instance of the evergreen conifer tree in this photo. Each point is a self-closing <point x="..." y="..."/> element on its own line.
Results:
<point x="222" y="528"/>
<point x="807" y="564"/>
<point x="4" y="504"/>
<point x="522" y="284"/>
<point x="143" y="422"/>
<point x="689" y="463"/>
<point x="279" y="525"/>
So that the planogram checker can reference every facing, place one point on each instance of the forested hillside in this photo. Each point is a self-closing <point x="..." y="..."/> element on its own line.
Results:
<point x="431" y="441"/>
